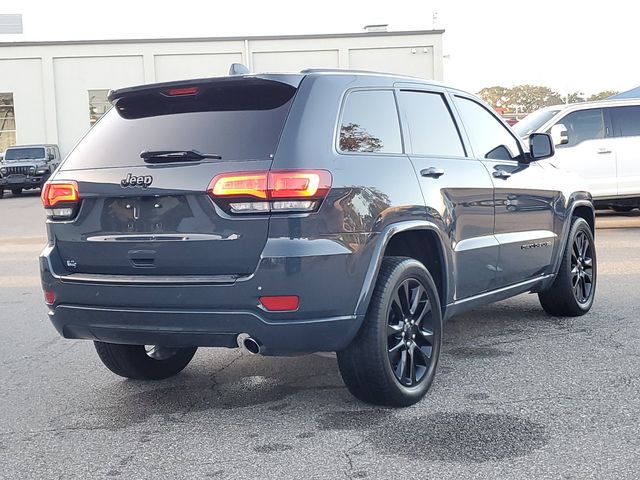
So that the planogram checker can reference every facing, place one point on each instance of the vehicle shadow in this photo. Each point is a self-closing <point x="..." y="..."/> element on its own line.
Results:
<point x="293" y="399"/>
<point x="611" y="213"/>
<point x="221" y="379"/>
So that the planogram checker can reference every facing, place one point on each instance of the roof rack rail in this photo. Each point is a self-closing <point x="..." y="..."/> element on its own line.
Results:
<point x="342" y="70"/>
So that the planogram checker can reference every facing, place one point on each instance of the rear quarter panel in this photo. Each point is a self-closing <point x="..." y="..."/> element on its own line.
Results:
<point x="369" y="191"/>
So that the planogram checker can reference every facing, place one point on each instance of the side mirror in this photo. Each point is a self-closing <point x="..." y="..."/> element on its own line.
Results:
<point x="50" y="157"/>
<point x="540" y="146"/>
<point x="559" y="134"/>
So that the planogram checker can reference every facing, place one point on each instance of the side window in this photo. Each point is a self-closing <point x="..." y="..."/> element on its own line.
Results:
<point x="370" y="123"/>
<point x="583" y="125"/>
<point x="625" y="121"/>
<point x="489" y="138"/>
<point x="431" y="127"/>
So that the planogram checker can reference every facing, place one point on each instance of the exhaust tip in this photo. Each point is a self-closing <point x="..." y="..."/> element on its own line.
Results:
<point x="246" y="342"/>
<point x="251" y="346"/>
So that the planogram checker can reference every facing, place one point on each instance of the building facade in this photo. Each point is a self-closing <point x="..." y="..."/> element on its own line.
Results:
<point x="52" y="92"/>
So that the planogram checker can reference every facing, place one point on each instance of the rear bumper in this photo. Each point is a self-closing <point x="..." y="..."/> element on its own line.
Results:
<point x="326" y="276"/>
<point x="185" y="328"/>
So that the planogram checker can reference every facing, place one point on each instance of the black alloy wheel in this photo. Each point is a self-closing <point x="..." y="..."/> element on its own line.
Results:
<point x="392" y="360"/>
<point x="573" y="290"/>
<point x="582" y="268"/>
<point x="410" y="332"/>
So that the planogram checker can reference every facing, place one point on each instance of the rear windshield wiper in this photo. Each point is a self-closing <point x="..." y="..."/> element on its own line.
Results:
<point x="168" y="156"/>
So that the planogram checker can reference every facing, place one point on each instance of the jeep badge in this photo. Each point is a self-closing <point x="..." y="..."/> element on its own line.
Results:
<point x="136" y="181"/>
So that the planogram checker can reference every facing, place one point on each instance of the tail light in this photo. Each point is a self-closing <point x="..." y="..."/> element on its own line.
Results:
<point x="274" y="191"/>
<point x="60" y="199"/>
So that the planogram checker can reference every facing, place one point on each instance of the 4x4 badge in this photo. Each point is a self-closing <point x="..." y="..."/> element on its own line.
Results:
<point x="136" y="181"/>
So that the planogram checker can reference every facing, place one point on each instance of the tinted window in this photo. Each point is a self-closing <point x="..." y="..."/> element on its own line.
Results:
<point x="626" y="121"/>
<point x="489" y="138"/>
<point x="430" y="124"/>
<point x="24" y="153"/>
<point x="370" y="123"/>
<point x="236" y="124"/>
<point x="583" y="125"/>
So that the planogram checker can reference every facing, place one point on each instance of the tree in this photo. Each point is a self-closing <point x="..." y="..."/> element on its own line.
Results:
<point x="576" y="97"/>
<point x="602" y="95"/>
<point x="494" y="96"/>
<point x="528" y="98"/>
<point x="523" y="99"/>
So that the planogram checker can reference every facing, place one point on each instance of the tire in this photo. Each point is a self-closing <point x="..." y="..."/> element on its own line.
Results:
<point x="133" y="361"/>
<point x="1" y="192"/>
<point x="16" y="191"/>
<point x="622" y="209"/>
<point x="371" y="366"/>
<point x="579" y="267"/>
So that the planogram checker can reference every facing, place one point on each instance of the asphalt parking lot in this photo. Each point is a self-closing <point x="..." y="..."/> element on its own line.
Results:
<point x="518" y="394"/>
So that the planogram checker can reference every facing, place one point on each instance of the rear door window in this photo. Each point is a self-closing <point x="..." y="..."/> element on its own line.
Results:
<point x="583" y="125"/>
<point x="431" y="127"/>
<point x="237" y="122"/>
<point x="370" y="123"/>
<point x="625" y="121"/>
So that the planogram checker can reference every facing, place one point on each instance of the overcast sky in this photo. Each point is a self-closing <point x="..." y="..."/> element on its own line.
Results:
<point x="565" y="44"/>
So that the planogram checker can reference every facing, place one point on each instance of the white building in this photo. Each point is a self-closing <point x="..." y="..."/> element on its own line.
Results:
<point x="52" y="92"/>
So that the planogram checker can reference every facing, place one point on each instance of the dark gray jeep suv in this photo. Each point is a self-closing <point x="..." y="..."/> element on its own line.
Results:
<point x="294" y="213"/>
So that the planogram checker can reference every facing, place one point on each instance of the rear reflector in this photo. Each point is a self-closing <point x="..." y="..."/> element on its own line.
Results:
<point x="58" y="192"/>
<point x="280" y="303"/>
<point x="49" y="297"/>
<point x="181" y="92"/>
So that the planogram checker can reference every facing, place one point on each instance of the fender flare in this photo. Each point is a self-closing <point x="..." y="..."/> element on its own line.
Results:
<point x="382" y="241"/>
<point x="584" y="200"/>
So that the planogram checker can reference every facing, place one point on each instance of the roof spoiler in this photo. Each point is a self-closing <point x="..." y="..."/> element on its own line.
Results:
<point x="237" y="73"/>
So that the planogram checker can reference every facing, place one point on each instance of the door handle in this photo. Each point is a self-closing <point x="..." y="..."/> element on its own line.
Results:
<point x="603" y="150"/>
<point x="500" y="173"/>
<point x="433" y="172"/>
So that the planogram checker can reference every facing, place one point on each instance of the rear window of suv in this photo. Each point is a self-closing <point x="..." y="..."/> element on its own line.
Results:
<point x="370" y="123"/>
<point x="237" y="121"/>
